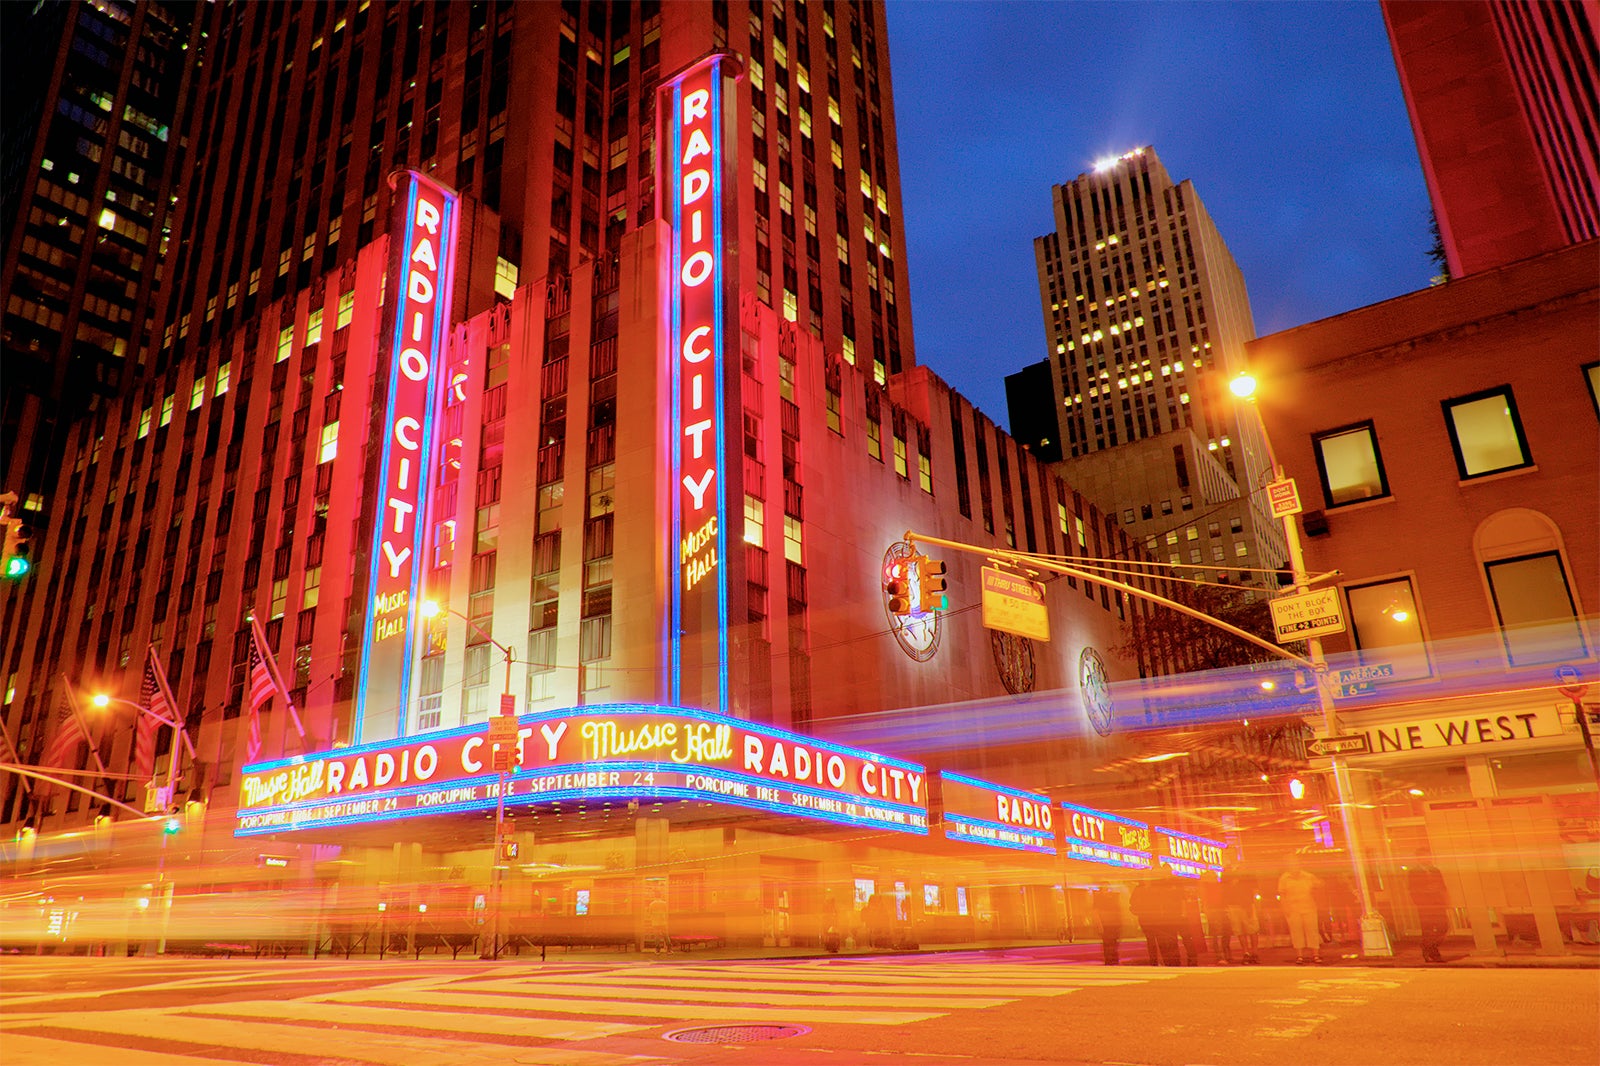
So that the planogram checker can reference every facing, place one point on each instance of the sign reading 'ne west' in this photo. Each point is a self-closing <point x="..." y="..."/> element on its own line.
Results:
<point x="421" y="266"/>
<point x="985" y="813"/>
<point x="607" y="751"/>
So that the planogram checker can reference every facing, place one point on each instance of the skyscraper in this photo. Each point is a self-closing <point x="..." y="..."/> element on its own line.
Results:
<point x="1146" y="316"/>
<point x="93" y="95"/>
<point x="1505" y="103"/>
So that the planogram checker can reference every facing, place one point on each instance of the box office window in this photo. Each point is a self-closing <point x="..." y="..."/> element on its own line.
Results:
<point x="1387" y="627"/>
<point x="1534" y="608"/>
<point x="1350" y="465"/>
<point x="1486" y="433"/>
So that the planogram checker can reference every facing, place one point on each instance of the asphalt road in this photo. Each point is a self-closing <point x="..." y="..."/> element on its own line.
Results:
<point x="1002" y="1007"/>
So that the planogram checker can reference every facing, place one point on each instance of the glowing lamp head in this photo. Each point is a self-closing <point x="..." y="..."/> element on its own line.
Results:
<point x="101" y="700"/>
<point x="429" y="609"/>
<point x="1297" y="787"/>
<point x="1243" y="385"/>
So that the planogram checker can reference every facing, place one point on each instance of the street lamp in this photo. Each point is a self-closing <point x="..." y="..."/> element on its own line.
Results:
<point x="432" y="609"/>
<point x="1374" y="936"/>
<point x="169" y="823"/>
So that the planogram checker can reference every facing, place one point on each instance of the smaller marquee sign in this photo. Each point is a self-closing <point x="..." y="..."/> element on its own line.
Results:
<point x="981" y="812"/>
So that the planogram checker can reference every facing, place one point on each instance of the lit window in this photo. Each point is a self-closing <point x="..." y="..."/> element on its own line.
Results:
<point x="144" y="423"/>
<point x="792" y="540"/>
<point x="166" y="411"/>
<point x="900" y="456"/>
<point x="1486" y="433"/>
<point x="1241" y="549"/>
<point x="1534" y="607"/>
<point x="330" y="443"/>
<point x="755" y="512"/>
<point x="925" y="473"/>
<point x="197" y="393"/>
<point x="831" y="401"/>
<point x="1083" y="542"/>
<point x="347" y="306"/>
<point x="874" y="439"/>
<point x="1386" y="626"/>
<point x="223" y="373"/>
<point x="314" y="327"/>
<point x="1061" y="516"/>
<point x="1350" y="465"/>
<point x="285" y="343"/>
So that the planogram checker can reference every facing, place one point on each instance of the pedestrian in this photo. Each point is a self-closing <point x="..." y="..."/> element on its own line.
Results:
<point x="1239" y="893"/>
<point x="1431" y="898"/>
<point x="656" y="924"/>
<point x="1298" y="890"/>
<point x="1216" y="911"/>
<point x="1190" y="931"/>
<point x="1143" y="903"/>
<point x="1108" y="911"/>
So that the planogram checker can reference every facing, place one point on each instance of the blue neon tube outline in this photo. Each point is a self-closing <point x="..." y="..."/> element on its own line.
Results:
<point x="717" y="358"/>
<point x="675" y="645"/>
<point x="598" y="709"/>
<point x="358" y="720"/>
<point x="956" y="828"/>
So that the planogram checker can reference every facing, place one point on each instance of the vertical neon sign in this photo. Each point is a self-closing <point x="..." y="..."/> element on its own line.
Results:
<point x="420" y="274"/>
<point x="694" y="161"/>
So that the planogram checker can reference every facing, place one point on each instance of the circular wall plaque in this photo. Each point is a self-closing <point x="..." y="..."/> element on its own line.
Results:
<point x="1096" y="689"/>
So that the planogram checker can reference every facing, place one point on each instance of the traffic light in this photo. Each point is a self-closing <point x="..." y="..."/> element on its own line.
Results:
<point x="16" y="563"/>
<point x="508" y="849"/>
<point x="899" y="590"/>
<point x="933" y="597"/>
<point x="172" y="826"/>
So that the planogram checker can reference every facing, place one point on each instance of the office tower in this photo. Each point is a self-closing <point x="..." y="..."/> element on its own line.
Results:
<point x="545" y="115"/>
<point x="93" y="92"/>
<point x="1506" y="110"/>
<point x="1146" y="315"/>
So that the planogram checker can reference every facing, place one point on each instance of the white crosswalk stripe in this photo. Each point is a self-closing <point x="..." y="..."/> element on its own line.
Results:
<point x="538" y="1014"/>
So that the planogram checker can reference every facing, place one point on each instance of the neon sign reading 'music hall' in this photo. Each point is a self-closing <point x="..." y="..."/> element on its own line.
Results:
<point x="692" y="163"/>
<point x="605" y="751"/>
<point x="421" y="266"/>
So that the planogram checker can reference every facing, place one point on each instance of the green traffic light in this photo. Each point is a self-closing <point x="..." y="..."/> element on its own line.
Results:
<point x="17" y="566"/>
<point x="172" y="826"/>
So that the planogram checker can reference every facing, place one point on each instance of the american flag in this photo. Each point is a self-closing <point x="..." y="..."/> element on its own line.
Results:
<point x="153" y="708"/>
<point x="262" y="688"/>
<point x="63" y="749"/>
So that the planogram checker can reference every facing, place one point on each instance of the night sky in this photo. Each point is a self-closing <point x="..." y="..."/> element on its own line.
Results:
<point x="1287" y="117"/>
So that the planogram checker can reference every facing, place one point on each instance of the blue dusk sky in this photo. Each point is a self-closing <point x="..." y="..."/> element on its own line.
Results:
<point x="1287" y="116"/>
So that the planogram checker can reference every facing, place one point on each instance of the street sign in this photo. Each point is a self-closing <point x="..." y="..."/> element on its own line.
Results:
<point x="1308" y="614"/>
<point x="1359" y="680"/>
<point x="1347" y="744"/>
<point x="1284" y="498"/>
<point x="508" y="705"/>
<point x="502" y="730"/>
<point x="1014" y="604"/>
<point x="1569" y="682"/>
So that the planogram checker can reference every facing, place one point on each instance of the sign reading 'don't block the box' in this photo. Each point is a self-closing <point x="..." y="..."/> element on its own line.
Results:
<point x="1307" y="614"/>
<point x="1284" y="498"/>
<point x="1014" y="604"/>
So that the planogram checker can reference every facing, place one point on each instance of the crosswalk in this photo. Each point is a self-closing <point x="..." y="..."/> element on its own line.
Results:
<point x="589" y="1015"/>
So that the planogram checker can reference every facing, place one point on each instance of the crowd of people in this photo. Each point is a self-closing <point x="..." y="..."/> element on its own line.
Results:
<point x="1183" y="920"/>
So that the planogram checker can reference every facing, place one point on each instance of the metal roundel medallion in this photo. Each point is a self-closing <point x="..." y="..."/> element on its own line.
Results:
<point x="1096" y="689"/>
<point x="917" y="633"/>
<point x="1013" y="660"/>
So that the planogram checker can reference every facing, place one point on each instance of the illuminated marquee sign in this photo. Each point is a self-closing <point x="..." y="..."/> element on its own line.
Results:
<point x="1108" y="839"/>
<point x="605" y="751"/>
<point x="420" y="272"/>
<point x="983" y="813"/>
<point x="1189" y="856"/>
<point x="694" y="161"/>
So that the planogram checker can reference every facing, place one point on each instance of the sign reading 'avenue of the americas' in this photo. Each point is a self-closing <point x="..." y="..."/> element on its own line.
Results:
<point x="421" y="266"/>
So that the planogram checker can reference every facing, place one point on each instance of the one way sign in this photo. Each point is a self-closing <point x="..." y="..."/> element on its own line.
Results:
<point x="1349" y="744"/>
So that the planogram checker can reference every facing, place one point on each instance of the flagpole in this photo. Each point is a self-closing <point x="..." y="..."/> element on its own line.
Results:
<point x="83" y="727"/>
<point x="271" y="661"/>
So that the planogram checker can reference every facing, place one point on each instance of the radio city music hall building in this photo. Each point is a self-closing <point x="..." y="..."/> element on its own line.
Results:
<point x="678" y="501"/>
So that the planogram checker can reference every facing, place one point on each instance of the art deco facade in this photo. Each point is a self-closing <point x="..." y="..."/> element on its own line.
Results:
<point x="245" y="474"/>
<point x="1146" y="316"/>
